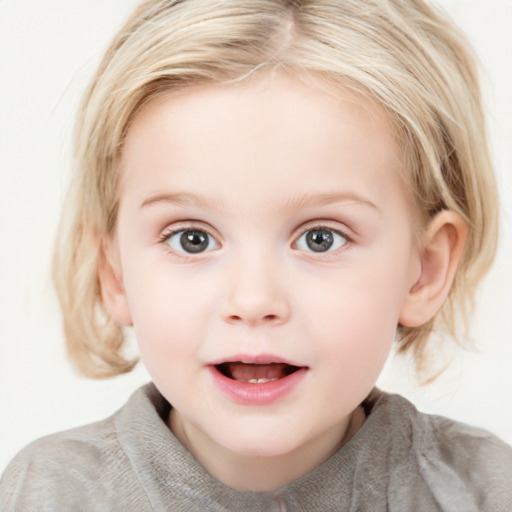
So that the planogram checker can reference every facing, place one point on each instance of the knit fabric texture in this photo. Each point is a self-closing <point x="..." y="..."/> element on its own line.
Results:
<point x="399" y="460"/>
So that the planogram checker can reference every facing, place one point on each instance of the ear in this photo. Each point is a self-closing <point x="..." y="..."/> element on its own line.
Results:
<point x="113" y="294"/>
<point x="440" y="253"/>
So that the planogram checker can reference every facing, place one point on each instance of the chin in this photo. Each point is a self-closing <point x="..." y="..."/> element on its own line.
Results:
<point x="261" y="444"/>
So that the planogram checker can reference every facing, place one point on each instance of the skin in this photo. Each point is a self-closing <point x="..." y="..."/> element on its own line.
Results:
<point x="256" y="166"/>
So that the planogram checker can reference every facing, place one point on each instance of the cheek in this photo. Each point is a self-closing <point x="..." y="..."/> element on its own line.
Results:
<point x="357" y="330"/>
<point x="354" y="314"/>
<point x="353" y="345"/>
<point x="167" y="311"/>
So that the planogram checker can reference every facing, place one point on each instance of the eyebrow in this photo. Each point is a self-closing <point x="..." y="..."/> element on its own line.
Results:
<point x="326" y="199"/>
<point x="180" y="198"/>
<point x="302" y="201"/>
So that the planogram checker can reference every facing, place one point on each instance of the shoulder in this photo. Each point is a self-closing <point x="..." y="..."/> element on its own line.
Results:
<point x="61" y="470"/>
<point x="480" y="462"/>
<point x="458" y="462"/>
<point x="70" y="470"/>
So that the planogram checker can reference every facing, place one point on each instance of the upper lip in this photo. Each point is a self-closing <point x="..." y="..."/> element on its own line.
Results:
<point x="255" y="359"/>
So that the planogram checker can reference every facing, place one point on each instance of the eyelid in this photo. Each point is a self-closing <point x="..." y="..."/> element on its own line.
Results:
<point x="326" y="225"/>
<point x="188" y="225"/>
<point x="181" y="226"/>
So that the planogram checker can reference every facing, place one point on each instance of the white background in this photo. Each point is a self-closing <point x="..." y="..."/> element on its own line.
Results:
<point x="48" y="51"/>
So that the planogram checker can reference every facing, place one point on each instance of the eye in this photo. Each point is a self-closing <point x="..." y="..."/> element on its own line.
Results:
<point x="191" y="241"/>
<point x="321" y="240"/>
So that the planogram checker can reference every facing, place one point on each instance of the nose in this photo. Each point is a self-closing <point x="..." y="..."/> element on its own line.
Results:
<point x="256" y="294"/>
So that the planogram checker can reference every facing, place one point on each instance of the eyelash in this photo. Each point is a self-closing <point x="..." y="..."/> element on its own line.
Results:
<point x="168" y="233"/>
<point x="326" y="228"/>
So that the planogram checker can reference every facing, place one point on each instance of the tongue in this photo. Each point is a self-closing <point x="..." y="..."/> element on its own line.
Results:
<point x="258" y="373"/>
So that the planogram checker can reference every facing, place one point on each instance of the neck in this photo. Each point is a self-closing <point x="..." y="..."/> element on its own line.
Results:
<point x="263" y="473"/>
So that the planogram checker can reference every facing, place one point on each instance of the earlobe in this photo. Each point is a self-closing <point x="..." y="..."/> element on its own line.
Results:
<point x="113" y="293"/>
<point x="440" y="254"/>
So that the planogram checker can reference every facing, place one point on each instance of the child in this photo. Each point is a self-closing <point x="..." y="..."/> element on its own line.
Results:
<point x="270" y="192"/>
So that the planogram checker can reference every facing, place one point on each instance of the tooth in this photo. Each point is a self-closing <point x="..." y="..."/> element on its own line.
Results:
<point x="259" y="381"/>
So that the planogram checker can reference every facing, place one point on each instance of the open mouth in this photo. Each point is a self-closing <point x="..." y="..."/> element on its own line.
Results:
<point x="256" y="380"/>
<point x="255" y="373"/>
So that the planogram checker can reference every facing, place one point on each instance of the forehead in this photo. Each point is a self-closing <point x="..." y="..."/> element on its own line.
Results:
<point x="273" y="131"/>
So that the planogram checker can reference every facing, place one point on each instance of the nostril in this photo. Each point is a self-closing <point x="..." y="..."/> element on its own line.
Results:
<point x="254" y="313"/>
<point x="265" y="318"/>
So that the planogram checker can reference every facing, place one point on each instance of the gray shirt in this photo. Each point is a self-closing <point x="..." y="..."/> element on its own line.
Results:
<point x="400" y="460"/>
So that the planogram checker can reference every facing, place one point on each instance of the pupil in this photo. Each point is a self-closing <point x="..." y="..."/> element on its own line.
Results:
<point x="319" y="240"/>
<point x="194" y="241"/>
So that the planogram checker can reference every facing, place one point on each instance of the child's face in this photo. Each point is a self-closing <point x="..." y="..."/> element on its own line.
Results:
<point x="263" y="223"/>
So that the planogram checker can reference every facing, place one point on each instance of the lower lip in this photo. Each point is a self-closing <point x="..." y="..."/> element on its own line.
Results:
<point x="248" y="393"/>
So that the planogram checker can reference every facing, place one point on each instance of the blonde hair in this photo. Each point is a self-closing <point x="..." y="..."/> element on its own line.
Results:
<point x="404" y="54"/>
